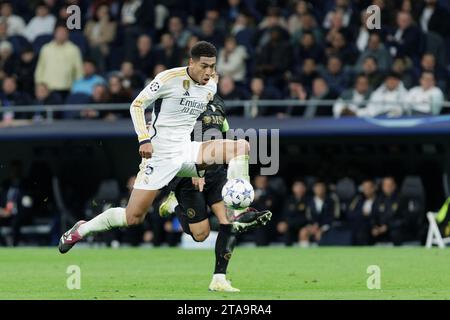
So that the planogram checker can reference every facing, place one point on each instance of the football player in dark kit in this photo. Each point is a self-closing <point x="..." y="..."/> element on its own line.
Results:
<point x="191" y="196"/>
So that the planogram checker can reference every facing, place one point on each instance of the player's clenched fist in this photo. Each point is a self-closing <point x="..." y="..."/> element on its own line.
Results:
<point x="146" y="150"/>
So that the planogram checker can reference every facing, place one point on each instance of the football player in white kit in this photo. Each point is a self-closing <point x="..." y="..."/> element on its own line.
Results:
<point x="179" y="95"/>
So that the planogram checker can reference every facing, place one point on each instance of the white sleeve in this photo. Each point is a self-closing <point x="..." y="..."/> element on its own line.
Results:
<point x="146" y="97"/>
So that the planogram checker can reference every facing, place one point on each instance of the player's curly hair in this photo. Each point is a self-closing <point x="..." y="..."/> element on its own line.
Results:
<point x="203" y="49"/>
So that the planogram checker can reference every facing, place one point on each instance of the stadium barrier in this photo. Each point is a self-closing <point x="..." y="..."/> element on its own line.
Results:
<point x="247" y="105"/>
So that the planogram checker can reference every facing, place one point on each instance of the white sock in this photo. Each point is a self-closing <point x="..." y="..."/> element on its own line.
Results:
<point x="304" y="244"/>
<point x="238" y="168"/>
<point x="111" y="218"/>
<point x="219" y="277"/>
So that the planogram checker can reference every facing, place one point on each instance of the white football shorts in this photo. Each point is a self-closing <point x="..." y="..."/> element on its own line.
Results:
<point x="160" y="169"/>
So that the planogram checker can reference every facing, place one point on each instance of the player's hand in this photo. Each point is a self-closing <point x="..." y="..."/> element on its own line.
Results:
<point x="146" y="150"/>
<point x="199" y="183"/>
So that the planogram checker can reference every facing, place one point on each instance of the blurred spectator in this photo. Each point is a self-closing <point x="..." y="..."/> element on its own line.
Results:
<point x="406" y="38"/>
<point x="273" y="21"/>
<point x="234" y="9"/>
<point x="387" y="220"/>
<point x="376" y="49"/>
<point x="294" y="213"/>
<point x="308" y="73"/>
<point x="274" y="59"/>
<point x="219" y="23"/>
<point x="428" y="63"/>
<point x="208" y="32"/>
<point x="264" y="200"/>
<point x="345" y="9"/>
<point x="169" y="54"/>
<point x="345" y="50"/>
<point x="232" y="60"/>
<point x="296" y="92"/>
<point x="360" y="213"/>
<point x="388" y="99"/>
<point x="59" y="63"/>
<point x="100" y="33"/>
<point x="24" y="68"/>
<point x="228" y="91"/>
<point x="370" y="69"/>
<point x="3" y="31"/>
<point x="309" y="24"/>
<point x="132" y="80"/>
<point x="337" y="27"/>
<point x="337" y="79"/>
<point x="307" y="49"/>
<point x="7" y="60"/>
<point x="186" y="51"/>
<point x="403" y="66"/>
<point x="42" y="23"/>
<point x="362" y="36"/>
<point x="11" y="96"/>
<point x="434" y="18"/>
<point x="44" y="97"/>
<point x="16" y="24"/>
<point x="426" y="98"/>
<point x="295" y="20"/>
<point x="352" y="100"/>
<point x="15" y="201"/>
<point x="321" y="210"/>
<point x="100" y="95"/>
<point x="145" y="55"/>
<point x="178" y="31"/>
<point x="130" y="23"/>
<point x="118" y="94"/>
<point x="259" y="91"/>
<point x="318" y="103"/>
<point x="85" y="85"/>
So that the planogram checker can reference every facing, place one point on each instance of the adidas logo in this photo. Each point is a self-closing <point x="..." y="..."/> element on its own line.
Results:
<point x="186" y="94"/>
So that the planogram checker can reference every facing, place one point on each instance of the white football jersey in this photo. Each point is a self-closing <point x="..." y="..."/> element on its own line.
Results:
<point x="178" y="101"/>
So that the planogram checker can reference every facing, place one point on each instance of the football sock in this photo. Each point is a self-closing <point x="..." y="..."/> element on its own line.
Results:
<point x="238" y="168"/>
<point x="111" y="218"/>
<point x="226" y="240"/>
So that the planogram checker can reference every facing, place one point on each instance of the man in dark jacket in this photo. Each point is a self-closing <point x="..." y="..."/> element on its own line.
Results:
<point x="294" y="213"/>
<point x="360" y="212"/>
<point x="321" y="209"/>
<point x="387" y="222"/>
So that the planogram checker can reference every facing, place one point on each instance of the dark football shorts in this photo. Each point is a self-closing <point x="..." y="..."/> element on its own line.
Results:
<point x="194" y="202"/>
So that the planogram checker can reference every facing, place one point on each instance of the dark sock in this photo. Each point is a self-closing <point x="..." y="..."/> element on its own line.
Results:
<point x="225" y="243"/>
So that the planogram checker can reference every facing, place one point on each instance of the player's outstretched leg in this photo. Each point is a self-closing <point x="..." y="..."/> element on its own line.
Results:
<point x="245" y="221"/>
<point x="138" y="205"/>
<point x="225" y="242"/>
<point x="236" y="154"/>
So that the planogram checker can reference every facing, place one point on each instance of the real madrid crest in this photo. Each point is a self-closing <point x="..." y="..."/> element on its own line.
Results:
<point x="186" y="85"/>
<point x="209" y="97"/>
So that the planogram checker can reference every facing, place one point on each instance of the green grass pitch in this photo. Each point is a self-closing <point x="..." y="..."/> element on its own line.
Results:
<point x="260" y="273"/>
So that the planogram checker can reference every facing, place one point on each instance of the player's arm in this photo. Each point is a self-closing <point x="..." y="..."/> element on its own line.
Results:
<point x="146" y="97"/>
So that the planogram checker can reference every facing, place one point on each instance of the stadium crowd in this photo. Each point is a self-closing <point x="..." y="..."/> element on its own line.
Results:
<point x="268" y="49"/>
<point x="310" y="51"/>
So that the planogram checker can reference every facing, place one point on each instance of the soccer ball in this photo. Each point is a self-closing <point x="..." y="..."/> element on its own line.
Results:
<point x="238" y="193"/>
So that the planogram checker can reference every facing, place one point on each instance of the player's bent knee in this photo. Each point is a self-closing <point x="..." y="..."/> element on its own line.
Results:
<point x="200" y="236"/>
<point x="135" y="219"/>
